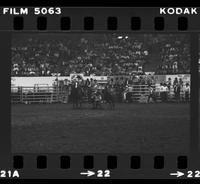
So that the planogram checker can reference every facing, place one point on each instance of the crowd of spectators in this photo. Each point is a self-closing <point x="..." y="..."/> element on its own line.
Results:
<point x="175" y="57"/>
<point x="98" y="54"/>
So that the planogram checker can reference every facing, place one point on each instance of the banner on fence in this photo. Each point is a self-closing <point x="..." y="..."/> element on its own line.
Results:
<point x="32" y="81"/>
<point x="185" y="77"/>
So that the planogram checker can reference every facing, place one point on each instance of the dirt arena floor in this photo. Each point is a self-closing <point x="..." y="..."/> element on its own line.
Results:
<point x="130" y="128"/>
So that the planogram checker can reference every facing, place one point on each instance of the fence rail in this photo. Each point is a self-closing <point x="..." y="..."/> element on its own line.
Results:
<point x="55" y="94"/>
<point x="35" y="94"/>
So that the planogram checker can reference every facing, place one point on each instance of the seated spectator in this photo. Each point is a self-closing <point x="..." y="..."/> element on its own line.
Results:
<point x="99" y="54"/>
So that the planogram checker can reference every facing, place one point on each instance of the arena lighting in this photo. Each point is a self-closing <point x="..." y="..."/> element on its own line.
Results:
<point x="120" y="37"/>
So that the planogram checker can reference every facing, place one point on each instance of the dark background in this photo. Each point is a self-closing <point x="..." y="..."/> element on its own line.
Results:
<point x="5" y="68"/>
<point x="119" y="3"/>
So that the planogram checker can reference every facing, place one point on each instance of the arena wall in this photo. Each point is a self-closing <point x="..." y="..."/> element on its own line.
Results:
<point x="32" y="81"/>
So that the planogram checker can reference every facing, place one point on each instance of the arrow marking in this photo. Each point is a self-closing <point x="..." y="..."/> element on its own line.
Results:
<point x="88" y="173"/>
<point x="177" y="174"/>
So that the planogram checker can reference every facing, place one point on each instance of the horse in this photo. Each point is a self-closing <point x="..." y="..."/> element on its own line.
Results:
<point x="76" y="94"/>
<point x="96" y="99"/>
<point x="108" y="97"/>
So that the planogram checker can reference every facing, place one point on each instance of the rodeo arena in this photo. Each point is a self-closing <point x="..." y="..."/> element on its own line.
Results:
<point x="132" y="91"/>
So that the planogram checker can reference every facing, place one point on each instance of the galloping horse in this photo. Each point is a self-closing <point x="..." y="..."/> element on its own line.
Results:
<point x="76" y="94"/>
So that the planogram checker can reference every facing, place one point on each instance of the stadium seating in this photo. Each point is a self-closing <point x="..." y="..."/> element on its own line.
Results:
<point x="99" y="54"/>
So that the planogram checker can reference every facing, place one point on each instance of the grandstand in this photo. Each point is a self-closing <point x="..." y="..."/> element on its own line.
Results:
<point x="107" y="55"/>
<point x="99" y="54"/>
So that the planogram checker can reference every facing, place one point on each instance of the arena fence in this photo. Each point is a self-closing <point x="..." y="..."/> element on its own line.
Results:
<point x="51" y="94"/>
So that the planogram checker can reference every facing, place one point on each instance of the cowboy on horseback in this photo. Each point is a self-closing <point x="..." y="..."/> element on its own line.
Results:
<point x="108" y="94"/>
<point x="76" y="94"/>
<point x="97" y="99"/>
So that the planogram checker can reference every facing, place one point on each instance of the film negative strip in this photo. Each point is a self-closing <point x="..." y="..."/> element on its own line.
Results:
<point x="99" y="93"/>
